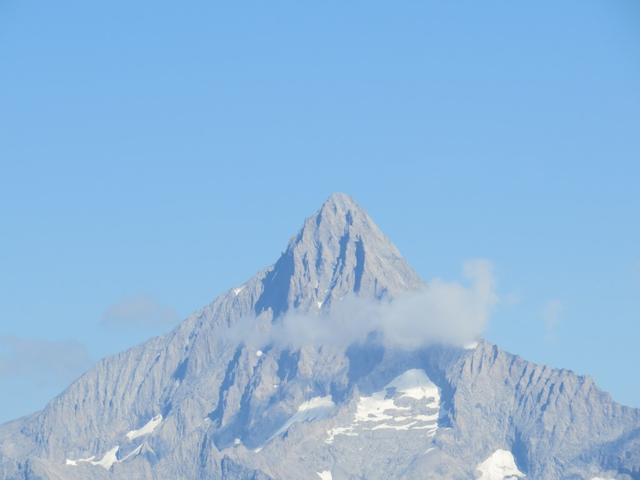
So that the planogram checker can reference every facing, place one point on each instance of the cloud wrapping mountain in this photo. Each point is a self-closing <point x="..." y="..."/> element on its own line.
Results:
<point x="444" y="312"/>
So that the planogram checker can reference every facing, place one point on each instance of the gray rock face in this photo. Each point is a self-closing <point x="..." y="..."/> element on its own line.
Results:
<point x="326" y="262"/>
<point x="203" y="402"/>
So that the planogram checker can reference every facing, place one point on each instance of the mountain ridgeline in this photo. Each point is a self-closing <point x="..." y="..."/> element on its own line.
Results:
<point x="202" y="402"/>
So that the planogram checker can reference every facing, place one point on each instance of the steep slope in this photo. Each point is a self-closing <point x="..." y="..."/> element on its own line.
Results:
<point x="219" y="398"/>
<point x="546" y="417"/>
<point x="339" y="251"/>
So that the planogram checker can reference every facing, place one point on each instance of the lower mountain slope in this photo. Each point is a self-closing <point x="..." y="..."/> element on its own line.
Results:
<point x="223" y="396"/>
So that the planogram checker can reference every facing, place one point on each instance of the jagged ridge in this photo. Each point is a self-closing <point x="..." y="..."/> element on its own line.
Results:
<point x="229" y="410"/>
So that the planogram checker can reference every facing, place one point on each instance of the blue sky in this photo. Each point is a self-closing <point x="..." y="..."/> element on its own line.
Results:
<point x="154" y="154"/>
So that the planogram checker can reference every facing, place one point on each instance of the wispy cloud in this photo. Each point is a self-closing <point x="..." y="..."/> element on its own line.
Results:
<point x="443" y="312"/>
<point x="139" y="311"/>
<point x="552" y="315"/>
<point x="44" y="362"/>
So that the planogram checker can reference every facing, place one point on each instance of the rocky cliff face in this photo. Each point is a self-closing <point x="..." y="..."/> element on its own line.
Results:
<point x="205" y="402"/>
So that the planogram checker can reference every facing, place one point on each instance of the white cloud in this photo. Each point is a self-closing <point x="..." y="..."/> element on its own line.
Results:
<point x="443" y="312"/>
<point x="447" y="312"/>
<point x="140" y="311"/>
<point x="551" y="315"/>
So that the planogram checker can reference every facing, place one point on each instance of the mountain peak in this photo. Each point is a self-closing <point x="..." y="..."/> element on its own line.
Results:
<point x="339" y="201"/>
<point x="339" y="251"/>
<point x="336" y="215"/>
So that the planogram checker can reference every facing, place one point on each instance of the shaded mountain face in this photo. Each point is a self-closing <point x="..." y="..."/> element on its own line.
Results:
<point x="206" y="402"/>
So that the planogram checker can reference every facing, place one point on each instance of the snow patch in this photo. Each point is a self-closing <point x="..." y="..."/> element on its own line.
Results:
<point x="259" y="353"/>
<point x="316" y="403"/>
<point x="409" y="402"/>
<point x="315" y="408"/>
<point x="80" y="460"/>
<point x="147" y="429"/>
<point x="236" y="291"/>
<point x="108" y="460"/>
<point x="105" y="462"/>
<point x="470" y="346"/>
<point x="325" y="475"/>
<point x="135" y="452"/>
<point x="499" y="466"/>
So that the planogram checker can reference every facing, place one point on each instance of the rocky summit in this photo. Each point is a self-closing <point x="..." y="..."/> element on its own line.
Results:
<point x="222" y="397"/>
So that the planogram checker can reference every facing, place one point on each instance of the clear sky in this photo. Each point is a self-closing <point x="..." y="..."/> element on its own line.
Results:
<point x="154" y="154"/>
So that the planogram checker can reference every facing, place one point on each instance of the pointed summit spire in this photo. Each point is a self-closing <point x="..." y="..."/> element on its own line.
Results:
<point x="341" y="202"/>
<point x="339" y="251"/>
<point x="337" y="214"/>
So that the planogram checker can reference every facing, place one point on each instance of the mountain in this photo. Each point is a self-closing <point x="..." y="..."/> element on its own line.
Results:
<point x="221" y="397"/>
